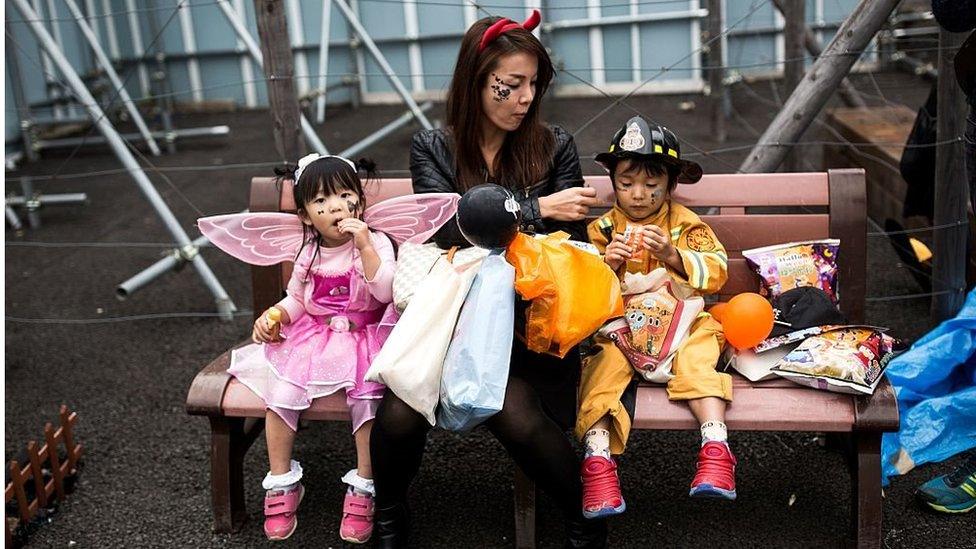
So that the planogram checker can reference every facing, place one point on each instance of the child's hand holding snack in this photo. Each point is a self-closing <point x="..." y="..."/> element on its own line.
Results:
<point x="658" y="242"/>
<point x="267" y="328"/>
<point x="617" y="252"/>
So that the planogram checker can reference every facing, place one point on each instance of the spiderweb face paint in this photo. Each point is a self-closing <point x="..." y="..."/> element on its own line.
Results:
<point x="501" y="91"/>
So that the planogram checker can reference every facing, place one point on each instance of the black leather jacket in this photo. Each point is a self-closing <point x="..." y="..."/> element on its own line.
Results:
<point x="433" y="171"/>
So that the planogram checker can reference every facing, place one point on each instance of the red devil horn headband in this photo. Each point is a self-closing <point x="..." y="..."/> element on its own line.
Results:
<point x="504" y="25"/>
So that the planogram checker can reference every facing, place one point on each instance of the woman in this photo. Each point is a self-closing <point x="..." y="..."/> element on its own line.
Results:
<point x="494" y="134"/>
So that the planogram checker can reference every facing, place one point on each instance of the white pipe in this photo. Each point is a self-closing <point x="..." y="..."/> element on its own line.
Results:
<point x="597" y="72"/>
<point x="624" y="19"/>
<point x="696" y="42"/>
<point x="137" y="46"/>
<point x="113" y="38"/>
<point x="93" y="19"/>
<point x="382" y="62"/>
<point x="190" y="47"/>
<point x="247" y="70"/>
<point x="106" y="64"/>
<point x="58" y="39"/>
<point x="51" y="91"/>
<point x="323" y="60"/>
<point x="635" y="51"/>
<point x="296" y="34"/>
<point x="412" y="27"/>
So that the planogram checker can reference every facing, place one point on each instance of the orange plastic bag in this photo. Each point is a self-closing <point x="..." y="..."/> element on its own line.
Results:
<point x="573" y="292"/>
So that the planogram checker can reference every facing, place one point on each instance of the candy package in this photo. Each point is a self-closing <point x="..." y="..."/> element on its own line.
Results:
<point x="845" y="360"/>
<point x="658" y="314"/>
<point x="783" y="267"/>
<point x="634" y="236"/>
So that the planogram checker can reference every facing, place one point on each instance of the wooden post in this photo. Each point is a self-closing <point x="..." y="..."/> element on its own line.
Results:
<point x="949" y="255"/>
<point x="280" y="71"/>
<point x="36" y="471"/>
<point x="17" y="481"/>
<point x="52" y="456"/>
<point x="848" y="93"/>
<point x="793" y="67"/>
<point x="69" y="444"/>
<point x="716" y="75"/>
<point x="818" y="85"/>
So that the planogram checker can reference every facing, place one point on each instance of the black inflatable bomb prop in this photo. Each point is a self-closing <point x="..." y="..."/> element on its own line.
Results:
<point x="489" y="216"/>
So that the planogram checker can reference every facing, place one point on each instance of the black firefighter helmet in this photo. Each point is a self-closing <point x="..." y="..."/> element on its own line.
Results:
<point x="638" y="138"/>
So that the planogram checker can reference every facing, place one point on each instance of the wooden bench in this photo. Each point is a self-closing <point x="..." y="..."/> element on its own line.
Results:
<point x="751" y="211"/>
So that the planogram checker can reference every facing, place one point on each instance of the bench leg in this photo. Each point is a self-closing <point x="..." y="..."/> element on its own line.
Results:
<point x="866" y="489"/>
<point x="525" y="495"/>
<point x="230" y="437"/>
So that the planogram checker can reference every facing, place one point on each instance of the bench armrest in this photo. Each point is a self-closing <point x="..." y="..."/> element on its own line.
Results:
<point x="207" y="390"/>
<point x="878" y="411"/>
<point x="206" y="393"/>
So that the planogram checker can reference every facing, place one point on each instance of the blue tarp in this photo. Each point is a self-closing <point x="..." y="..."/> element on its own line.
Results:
<point x="935" y="382"/>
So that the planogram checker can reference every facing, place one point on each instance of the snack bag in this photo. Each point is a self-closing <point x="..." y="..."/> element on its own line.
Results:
<point x="634" y="235"/>
<point x="783" y="267"/>
<point x="658" y="314"/>
<point x="846" y="360"/>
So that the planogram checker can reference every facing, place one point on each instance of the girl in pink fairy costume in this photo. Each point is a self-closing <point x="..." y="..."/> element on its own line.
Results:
<point x="324" y="334"/>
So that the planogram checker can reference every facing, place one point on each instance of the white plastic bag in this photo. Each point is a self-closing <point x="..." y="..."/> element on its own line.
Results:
<point x="411" y="360"/>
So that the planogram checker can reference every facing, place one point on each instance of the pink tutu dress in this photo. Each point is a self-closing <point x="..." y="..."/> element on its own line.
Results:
<point x="339" y="321"/>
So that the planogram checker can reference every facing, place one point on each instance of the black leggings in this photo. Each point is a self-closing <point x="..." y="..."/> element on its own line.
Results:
<point x="532" y="438"/>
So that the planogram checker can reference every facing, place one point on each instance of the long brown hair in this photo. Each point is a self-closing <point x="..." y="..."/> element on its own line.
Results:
<point x="526" y="154"/>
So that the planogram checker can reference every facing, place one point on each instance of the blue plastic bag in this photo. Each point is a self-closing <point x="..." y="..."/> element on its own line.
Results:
<point x="935" y="382"/>
<point x="475" y="371"/>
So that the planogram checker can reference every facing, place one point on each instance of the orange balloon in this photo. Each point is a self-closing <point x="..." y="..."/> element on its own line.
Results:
<point x="747" y="320"/>
<point x="718" y="310"/>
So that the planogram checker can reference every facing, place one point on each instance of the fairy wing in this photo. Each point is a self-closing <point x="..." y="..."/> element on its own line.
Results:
<point x="412" y="218"/>
<point x="258" y="238"/>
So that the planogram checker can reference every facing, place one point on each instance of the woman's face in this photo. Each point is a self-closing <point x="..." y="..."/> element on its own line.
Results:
<point x="509" y="90"/>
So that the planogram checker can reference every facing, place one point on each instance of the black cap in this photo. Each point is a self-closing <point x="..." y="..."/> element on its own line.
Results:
<point x="638" y="138"/>
<point x="804" y="307"/>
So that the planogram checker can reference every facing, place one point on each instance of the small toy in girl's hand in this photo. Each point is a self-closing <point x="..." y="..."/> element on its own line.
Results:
<point x="783" y="267"/>
<point x="273" y="319"/>
<point x="846" y="360"/>
<point x="747" y="320"/>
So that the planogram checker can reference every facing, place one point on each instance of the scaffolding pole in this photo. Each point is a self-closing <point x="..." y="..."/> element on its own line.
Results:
<point x="382" y="62"/>
<point x="223" y="301"/>
<point x="113" y="76"/>
<point x="323" y="60"/>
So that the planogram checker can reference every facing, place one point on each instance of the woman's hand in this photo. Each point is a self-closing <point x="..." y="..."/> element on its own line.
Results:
<point x="617" y="252"/>
<point x="359" y="231"/>
<point x="571" y="204"/>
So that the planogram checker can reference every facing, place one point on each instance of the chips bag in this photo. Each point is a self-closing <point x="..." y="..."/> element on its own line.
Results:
<point x="845" y="360"/>
<point x="783" y="267"/>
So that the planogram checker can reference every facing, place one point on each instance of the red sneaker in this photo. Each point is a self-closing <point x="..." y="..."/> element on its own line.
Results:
<point x="601" y="488"/>
<point x="715" y="477"/>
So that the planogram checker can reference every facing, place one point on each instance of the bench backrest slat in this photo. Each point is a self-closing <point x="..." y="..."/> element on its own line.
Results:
<point x="739" y="223"/>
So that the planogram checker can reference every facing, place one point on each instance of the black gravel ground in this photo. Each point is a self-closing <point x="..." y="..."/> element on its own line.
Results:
<point x="145" y="480"/>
